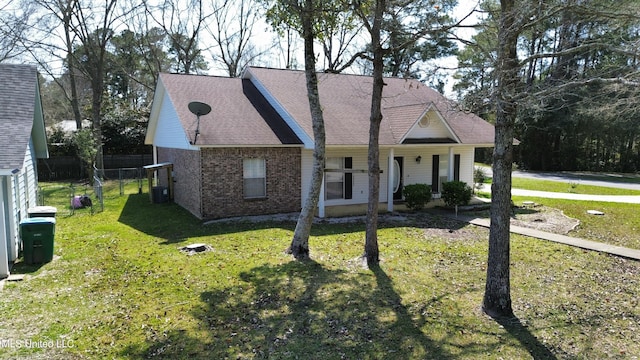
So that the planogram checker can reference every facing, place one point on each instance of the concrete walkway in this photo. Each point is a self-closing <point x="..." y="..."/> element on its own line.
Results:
<point x="562" y="239"/>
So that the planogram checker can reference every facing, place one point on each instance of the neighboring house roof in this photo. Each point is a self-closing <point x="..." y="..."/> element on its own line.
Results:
<point x="21" y="117"/>
<point x="346" y="105"/>
<point x="240" y="116"/>
<point x="68" y="126"/>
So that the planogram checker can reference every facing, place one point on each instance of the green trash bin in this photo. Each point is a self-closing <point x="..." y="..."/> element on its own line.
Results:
<point x="37" y="239"/>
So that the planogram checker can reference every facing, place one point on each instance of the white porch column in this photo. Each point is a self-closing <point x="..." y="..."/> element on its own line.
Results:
<point x="450" y="164"/>
<point x="321" y="200"/>
<point x="390" y="169"/>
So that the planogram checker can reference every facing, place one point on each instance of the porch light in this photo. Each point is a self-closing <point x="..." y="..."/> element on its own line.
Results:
<point x="198" y="108"/>
<point x="418" y="159"/>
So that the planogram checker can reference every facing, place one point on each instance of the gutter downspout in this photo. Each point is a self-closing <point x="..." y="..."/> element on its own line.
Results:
<point x="4" y="258"/>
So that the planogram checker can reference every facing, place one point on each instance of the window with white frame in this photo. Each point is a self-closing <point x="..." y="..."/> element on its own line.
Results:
<point x="254" y="178"/>
<point x="334" y="178"/>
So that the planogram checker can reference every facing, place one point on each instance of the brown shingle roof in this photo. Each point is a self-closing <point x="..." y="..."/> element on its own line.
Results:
<point x="236" y="118"/>
<point x="346" y="101"/>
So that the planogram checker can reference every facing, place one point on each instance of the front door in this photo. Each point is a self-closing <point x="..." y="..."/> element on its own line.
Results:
<point x="397" y="177"/>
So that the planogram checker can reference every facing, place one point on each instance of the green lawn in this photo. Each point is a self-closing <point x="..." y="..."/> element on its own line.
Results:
<point x="619" y="226"/>
<point x="119" y="288"/>
<point x="574" y="187"/>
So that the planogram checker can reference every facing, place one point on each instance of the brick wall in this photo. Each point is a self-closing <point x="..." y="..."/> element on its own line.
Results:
<point x="187" y="175"/>
<point x="222" y="182"/>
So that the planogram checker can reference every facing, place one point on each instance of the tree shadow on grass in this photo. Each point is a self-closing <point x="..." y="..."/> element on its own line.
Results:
<point x="519" y="331"/>
<point x="300" y="310"/>
<point x="174" y="224"/>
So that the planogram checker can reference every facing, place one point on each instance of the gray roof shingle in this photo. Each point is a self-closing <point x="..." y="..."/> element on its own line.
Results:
<point x="18" y="91"/>
<point x="239" y="115"/>
<point x="346" y="101"/>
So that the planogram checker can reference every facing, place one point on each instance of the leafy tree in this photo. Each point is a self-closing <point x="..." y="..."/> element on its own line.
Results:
<point x="84" y="142"/>
<point x="182" y="23"/>
<point x="419" y="19"/>
<point x="497" y="295"/>
<point x="545" y="57"/>
<point x="580" y="70"/>
<point x="14" y="20"/>
<point x="124" y="129"/>
<point x="137" y="59"/>
<point x="304" y="15"/>
<point x="336" y="28"/>
<point x="406" y="53"/>
<point x="232" y="33"/>
<point x="59" y="143"/>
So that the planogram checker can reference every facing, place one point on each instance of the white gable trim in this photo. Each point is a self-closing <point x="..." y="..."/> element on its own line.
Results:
<point x="291" y="122"/>
<point x="165" y="128"/>
<point x="152" y="127"/>
<point x="442" y="121"/>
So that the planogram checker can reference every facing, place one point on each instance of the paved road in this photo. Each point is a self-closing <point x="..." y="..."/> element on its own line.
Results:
<point x="628" y="199"/>
<point x="627" y="181"/>
<point x="595" y="179"/>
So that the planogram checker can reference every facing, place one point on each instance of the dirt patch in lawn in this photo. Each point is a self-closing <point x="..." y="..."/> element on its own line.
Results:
<point x="545" y="219"/>
<point x="538" y="217"/>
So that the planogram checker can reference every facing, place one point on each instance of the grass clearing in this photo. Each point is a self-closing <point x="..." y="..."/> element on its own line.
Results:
<point x="618" y="226"/>
<point x="573" y="187"/>
<point x="120" y="288"/>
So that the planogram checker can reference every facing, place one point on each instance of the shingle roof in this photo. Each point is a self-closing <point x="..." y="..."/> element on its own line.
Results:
<point x="346" y="101"/>
<point x="18" y="84"/>
<point x="239" y="116"/>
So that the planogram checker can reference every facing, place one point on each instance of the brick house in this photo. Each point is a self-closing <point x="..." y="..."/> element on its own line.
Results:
<point x="253" y="152"/>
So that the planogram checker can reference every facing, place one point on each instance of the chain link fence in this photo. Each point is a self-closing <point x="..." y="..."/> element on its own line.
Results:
<point x="77" y="197"/>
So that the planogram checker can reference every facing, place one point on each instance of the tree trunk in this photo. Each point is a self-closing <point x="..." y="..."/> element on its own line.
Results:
<point x="300" y="243"/>
<point x="497" y="296"/>
<point x="71" y="65"/>
<point x="371" y="251"/>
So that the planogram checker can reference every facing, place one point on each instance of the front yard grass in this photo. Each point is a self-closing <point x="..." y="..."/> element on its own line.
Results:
<point x="574" y="187"/>
<point x="120" y="288"/>
<point x="619" y="225"/>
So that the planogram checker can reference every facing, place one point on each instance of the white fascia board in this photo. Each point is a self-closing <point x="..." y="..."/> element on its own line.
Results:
<point x="252" y="146"/>
<point x="154" y="114"/>
<point x="291" y="122"/>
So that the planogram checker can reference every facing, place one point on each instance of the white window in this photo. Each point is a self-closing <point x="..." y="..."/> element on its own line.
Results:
<point x="334" y="180"/>
<point x="254" y="178"/>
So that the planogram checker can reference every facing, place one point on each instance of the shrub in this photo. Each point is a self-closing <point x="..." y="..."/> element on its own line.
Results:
<point x="456" y="193"/>
<point x="479" y="177"/>
<point x="417" y="195"/>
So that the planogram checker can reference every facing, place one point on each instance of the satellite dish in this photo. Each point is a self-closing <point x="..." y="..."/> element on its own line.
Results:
<point x="198" y="109"/>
